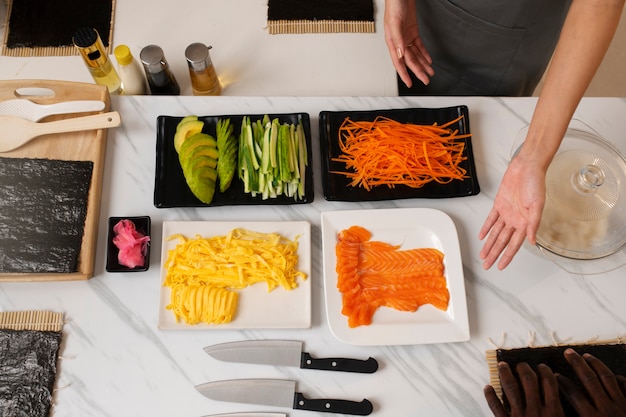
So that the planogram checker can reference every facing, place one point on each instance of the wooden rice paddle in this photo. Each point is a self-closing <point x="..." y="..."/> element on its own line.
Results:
<point x="15" y="131"/>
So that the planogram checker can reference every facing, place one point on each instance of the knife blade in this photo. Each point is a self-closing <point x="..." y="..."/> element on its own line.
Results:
<point x="280" y="393"/>
<point x="285" y="353"/>
<point x="248" y="415"/>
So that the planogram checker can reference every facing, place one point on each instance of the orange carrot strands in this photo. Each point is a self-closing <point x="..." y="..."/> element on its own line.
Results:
<point x="387" y="152"/>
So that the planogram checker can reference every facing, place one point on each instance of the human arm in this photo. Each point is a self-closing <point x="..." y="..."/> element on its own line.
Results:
<point x="404" y="43"/>
<point x="587" y="32"/>
<point x="533" y="394"/>
<point x="604" y="394"/>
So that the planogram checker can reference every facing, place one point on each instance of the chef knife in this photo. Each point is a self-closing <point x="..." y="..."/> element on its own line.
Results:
<point x="280" y="393"/>
<point x="285" y="353"/>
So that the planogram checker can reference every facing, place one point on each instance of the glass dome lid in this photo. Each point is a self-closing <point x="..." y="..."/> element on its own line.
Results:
<point x="584" y="216"/>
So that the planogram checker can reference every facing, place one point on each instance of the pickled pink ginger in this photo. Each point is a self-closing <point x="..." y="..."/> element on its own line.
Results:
<point x="132" y="244"/>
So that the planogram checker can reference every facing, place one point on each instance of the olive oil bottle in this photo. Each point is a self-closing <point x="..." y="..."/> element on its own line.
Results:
<point x="90" y="46"/>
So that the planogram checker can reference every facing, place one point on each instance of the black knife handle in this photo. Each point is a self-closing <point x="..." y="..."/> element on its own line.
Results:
<point x="363" y="408"/>
<point x="368" y="366"/>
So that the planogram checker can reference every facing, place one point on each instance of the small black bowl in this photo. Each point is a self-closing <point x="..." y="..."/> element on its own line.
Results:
<point x="142" y="224"/>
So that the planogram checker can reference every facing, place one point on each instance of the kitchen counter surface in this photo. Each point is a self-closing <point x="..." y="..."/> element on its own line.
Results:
<point x="248" y="60"/>
<point x="116" y="362"/>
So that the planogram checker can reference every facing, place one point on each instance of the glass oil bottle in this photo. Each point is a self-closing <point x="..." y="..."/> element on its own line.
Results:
<point x="88" y="42"/>
<point x="204" y="80"/>
<point x="161" y="80"/>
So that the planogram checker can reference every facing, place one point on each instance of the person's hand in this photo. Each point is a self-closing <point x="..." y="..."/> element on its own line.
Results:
<point x="404" y="43"/>
<point x="605" y="392"/>
<point x="516" y="212"/>
<point x="526" y="400"/>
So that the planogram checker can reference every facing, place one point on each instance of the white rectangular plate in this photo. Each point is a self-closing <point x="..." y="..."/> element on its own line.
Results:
<point x="410" y="228"/>
<point x="257" y="308"/>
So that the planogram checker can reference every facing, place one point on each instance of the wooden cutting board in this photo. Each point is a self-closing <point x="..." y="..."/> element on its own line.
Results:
<point x="77" y="146"/>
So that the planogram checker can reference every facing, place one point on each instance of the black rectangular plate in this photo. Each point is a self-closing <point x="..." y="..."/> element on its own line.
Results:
<point x="170" y="187"/>
<point x="336" y="186"/>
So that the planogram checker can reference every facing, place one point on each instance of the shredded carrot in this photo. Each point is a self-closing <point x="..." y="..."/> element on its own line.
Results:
<point x="388" y="152"/>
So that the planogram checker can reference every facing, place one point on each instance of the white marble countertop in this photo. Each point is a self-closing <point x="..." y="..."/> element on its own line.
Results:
<point x="116" y="362"/>
<point x="248" y="60"/>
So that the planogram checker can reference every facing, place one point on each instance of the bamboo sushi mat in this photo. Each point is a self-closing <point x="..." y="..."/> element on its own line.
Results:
<point x="31" y="320"/>
<point x="35" y="50"/>
<point x="320" y="16"/>
<point x="277" y="27"/>
<point x="492" y="358"/>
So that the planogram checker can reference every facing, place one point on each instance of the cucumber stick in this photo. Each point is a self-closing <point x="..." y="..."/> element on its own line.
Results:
<point x="272" y="158"/>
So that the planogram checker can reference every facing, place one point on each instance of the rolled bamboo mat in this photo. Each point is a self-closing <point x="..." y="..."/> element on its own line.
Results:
<point x="31" y="320"/>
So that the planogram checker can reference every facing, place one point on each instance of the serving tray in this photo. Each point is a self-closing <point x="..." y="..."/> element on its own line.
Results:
<point x="86" y="146"/>
<point x="336" y="186"/>
<point x="171" y="189"/>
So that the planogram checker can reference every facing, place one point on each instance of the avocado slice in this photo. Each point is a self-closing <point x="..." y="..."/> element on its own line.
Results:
<point x="186" y="129"/>
<point x="227" y="165"/>
<point x="199" y="163"/>
<point x="198" y="158"/>
<point x="202" y="184"/>
<point x="186" y="119"/>
<point x="195" y="141"/>
<point x="227" y="145"/>
<point x="198" y="151"/>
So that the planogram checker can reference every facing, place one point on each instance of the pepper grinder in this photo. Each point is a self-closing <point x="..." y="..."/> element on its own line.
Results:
<point x="204" y="81"/>
<point x="160" y="78"/>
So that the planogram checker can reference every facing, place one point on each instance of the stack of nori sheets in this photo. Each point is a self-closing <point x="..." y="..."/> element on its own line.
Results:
<point x="43" y="207"/>
<point x="29" y="349"/>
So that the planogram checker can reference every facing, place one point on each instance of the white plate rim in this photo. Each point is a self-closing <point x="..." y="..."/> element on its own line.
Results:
<point x="454" y="328"/>
<point x="298" y="301"/>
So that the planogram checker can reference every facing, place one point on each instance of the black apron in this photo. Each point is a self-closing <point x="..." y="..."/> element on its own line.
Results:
<point x="487" y="47"/>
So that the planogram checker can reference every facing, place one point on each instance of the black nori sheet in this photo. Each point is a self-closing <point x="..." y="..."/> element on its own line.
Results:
<point x="45" y="23"/>
<point x="348" y="10"/>
<point x="28" y="367"/>
<point x="43" y="207"/>
<point x="613" y="355"/>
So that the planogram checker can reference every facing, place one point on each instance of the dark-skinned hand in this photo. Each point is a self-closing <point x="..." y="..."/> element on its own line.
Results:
<point x="525" y="394"/>
<point x="604" y="392"/>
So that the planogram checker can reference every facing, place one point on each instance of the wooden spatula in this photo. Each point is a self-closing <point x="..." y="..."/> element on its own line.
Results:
<point x="15" y="131"/>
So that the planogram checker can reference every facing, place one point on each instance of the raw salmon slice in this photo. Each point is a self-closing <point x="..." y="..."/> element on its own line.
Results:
<point x="373" y="274"/>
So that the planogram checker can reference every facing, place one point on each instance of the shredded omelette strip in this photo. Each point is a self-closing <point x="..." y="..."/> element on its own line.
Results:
<point x="203" y="304"/>
<point x="229" y="262"/>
